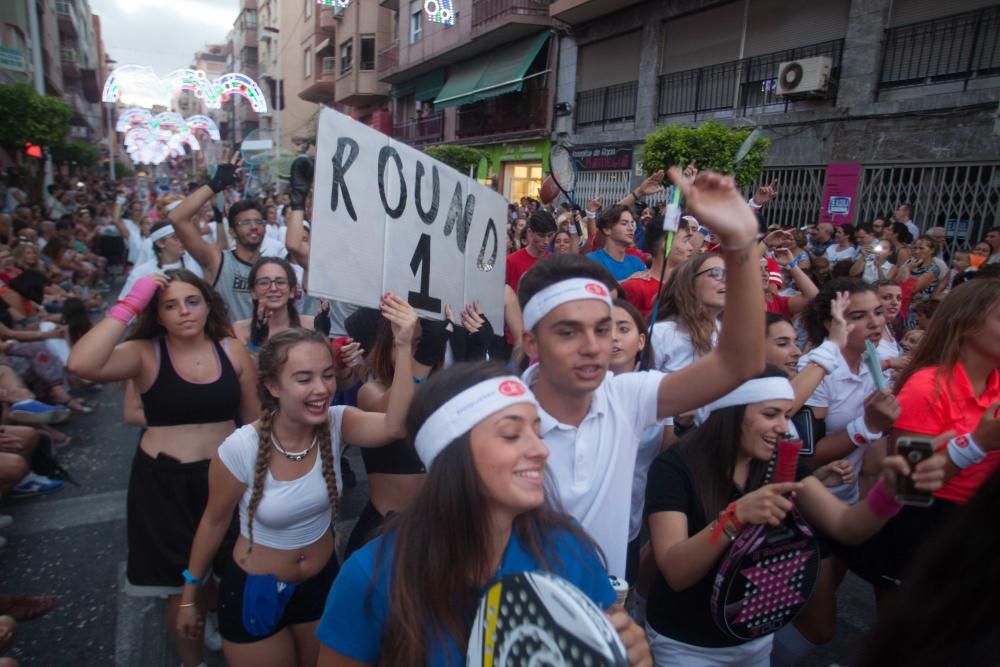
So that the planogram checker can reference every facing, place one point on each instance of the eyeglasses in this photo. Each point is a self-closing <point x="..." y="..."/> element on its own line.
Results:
<point x="267" y="282"/>
<point x="715" y="273"/>
<point x="252" y="221"/>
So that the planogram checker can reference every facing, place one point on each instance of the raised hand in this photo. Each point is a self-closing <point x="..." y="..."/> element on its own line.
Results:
<point x="717" y="203"/>
<point x="401" y="316"/>
<point x="227" y="173"/>
<point x="839" y="328"/>
<point x="654" y="183"/>
<point x="300" y="181"/>
<point x="766" y="193"/>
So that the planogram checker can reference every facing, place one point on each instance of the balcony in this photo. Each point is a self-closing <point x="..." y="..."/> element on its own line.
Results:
<point x="390" y="4"/>
<point x="485" y="12"/>
<point x="426" y="130"/>
<point x="603" y="106"/>
<point x="953" y="53"/>
<point x="388" y="58"/>
<point x="739" y="86"/>
<point x="329" y="18"/>
<point x="70" y="62"/>
<point x="575" y="12"/>
<point x="524" y="113"/>
<point x="323" y="87"/>
<point x="66" y="13"/>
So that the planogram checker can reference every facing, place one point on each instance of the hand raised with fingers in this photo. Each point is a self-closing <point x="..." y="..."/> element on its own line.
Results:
<point x="401" y="316"/>
<point x="717" y="203"/>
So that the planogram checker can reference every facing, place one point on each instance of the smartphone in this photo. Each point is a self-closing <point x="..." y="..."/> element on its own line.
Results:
<point x="914" y="450"/>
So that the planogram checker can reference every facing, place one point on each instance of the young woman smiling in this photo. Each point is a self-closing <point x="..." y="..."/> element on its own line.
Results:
<point x="687" y="325"/>
<point x="408" y="597"/>
<point x="714" y="474"/>
<point x="283" y="472"/>
<point x="195" y="381"/>
<point x="272" y="288"/>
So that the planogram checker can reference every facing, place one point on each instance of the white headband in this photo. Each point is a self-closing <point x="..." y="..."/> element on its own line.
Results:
<point x="172" y="205"/>
<point x="162" y="233"/>
<point x="564" y="291"/>
<point x="755" y="391"/>
<point x="462" y="412"/>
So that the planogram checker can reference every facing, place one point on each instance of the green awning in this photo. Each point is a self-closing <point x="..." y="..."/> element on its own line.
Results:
<point x="401" y="89"/>
<point x="502" y="71"/>
<point x="429" y="85"/>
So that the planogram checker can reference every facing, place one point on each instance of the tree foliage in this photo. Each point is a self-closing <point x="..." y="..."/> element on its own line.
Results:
<point x="460" y="158"/>
<point x="713" y="145"/>
<point x="78" y="153"/>
<point x="27" y="116"/>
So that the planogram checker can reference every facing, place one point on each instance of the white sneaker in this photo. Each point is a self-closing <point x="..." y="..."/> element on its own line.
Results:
<point x="213" y="640"/>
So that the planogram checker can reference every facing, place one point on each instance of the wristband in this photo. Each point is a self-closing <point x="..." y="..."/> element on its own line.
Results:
<point x="827" y="356"/>
<point x="964" y="451"/>
<point x="190" y="578"/>
<point x="859" y="434"/>
<point x="728" y="515"/>
<point x="123" y="312"/>
<point x="634" y="195"/>
<point x="754" y="205"/>
<point x="881" y="502"/>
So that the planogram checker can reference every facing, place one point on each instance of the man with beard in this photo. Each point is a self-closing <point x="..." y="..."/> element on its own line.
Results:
<point x="225" y="270"/>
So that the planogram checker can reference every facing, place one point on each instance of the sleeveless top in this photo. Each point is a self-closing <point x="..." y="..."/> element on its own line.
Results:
<point x="173" y="400"/>
<point x="232" y="282"/>
<point x="397" y="458"/>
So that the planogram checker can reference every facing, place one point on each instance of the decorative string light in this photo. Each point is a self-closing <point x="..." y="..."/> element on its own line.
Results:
<point x="141" y="87"/>
<point x="440" y="11"/>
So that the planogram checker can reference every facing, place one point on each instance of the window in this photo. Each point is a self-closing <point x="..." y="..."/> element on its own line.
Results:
<point x="346" y="56"/>
<point x="416" y="25"/>
<point x="309" y="8"/>
<point x="250" y="18"/>
<point x="367" y="52"/>
<point x="248" y="56"/>
<point x="308" y="62"/>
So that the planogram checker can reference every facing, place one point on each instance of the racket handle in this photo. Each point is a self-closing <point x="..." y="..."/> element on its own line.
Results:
<point x="788" y="459"/>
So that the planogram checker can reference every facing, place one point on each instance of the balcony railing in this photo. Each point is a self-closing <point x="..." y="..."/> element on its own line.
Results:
<point x="484" y="11"/>
<point x="959" y="47"/>
<point x="329" y="65"/>
<point x="388" y="57"/>
<point x="612" y="104"/>
<point x="506" y="114"/>
<point x="739" y="85"/>
<point x="66" y="13"/>
<point x="429" y="129"/>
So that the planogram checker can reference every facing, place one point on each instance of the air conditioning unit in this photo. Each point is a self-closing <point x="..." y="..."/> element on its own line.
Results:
<point x="805" y="77"/>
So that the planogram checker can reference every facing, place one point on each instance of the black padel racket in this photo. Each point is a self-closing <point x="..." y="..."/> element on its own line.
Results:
<point x="536" y="619"/>
<point x="562" y="167"/>
<point x="769" y="572"/>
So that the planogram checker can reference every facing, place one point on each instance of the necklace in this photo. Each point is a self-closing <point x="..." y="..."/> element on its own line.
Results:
<point x="293" y="456"/>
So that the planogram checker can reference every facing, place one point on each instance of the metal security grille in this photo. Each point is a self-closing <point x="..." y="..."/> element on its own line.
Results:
<point x="610" y="186"/>
<point x="962" y="198"/>
<point x="800" y="194"/>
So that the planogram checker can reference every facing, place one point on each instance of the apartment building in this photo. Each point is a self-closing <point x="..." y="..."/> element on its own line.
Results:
<point x="242" y="56"/>
<point x="488" y="81"/>
<point x="15" y="50"/>
<point x="907" y="90"/>
<point x="306" y="34"/>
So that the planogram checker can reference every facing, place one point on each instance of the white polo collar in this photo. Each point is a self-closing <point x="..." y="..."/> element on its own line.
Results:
<point x="598" y="403"/>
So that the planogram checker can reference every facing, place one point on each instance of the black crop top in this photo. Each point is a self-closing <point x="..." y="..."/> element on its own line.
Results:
<point x="173" y="401"/>
<point x="397" y="458"/>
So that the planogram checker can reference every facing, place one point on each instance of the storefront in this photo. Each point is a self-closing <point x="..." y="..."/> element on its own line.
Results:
<point x="518" y="167"/>
<point x="605" y="171"/>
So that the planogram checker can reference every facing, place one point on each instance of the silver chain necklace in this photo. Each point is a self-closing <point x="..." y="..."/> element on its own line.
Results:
<point x="294" y="456"/>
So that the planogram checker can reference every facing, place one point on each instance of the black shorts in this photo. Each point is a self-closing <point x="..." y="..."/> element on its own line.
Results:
<point x="305" y="606"/>
<point x="166" y="499"/>
<point x="884" y="559"/>
<point x="365" y="529"/>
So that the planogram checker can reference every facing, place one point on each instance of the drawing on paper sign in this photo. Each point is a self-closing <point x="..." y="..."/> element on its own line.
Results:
<point x="839" y="206"/>
<point x="390" y="218"/>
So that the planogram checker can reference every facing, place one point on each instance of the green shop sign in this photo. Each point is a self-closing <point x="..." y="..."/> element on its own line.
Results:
<point x="494" y="155"/>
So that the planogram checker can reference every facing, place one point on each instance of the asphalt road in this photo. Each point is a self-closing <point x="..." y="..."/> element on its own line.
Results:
<point x="72" y="544"/>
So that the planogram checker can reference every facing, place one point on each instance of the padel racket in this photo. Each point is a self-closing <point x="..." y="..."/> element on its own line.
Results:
<point x="538" y="619"/>
<point x="562" y="168"/>
<point x="769" y="572"/>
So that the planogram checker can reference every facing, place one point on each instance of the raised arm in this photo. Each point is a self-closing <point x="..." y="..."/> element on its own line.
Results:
<point x="718" y="204"/>
<point x="374" y="429"/>
<point x="203" y="252"/>
<point x="295" y="236"/>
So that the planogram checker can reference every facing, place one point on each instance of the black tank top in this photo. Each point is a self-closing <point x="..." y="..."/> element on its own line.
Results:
<point x="397" y="458"/>
<point x="173" y="401"/>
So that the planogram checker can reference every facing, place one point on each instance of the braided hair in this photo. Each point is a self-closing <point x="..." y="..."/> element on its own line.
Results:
<point x="270" y="362"/>
<point x="258" y="330"/>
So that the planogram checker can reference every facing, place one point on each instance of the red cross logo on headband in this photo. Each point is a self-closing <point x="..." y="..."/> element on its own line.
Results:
<point x="511" y="388"/>
<point x="595" y="288"/>
<point x="962" y="441"/>
<point x="860" y="439"/>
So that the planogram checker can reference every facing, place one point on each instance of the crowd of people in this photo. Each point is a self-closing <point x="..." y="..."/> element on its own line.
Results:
<point x="619" y="423"/>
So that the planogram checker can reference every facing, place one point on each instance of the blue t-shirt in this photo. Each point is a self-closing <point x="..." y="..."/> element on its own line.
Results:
<point x="353" y="624"/>
<point x="620" y="270"/>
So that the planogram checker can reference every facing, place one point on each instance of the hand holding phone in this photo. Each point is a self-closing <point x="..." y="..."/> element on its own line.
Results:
<point x="914" y="451"/>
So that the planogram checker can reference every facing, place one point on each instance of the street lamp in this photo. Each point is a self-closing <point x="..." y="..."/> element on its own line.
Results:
<point x="277" y="102"/>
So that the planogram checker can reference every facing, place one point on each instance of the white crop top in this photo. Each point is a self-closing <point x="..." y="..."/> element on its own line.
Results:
<point x="292" y="513"/>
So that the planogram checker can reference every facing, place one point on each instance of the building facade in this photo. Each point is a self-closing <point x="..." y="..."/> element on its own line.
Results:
<point x="906" y="88"/>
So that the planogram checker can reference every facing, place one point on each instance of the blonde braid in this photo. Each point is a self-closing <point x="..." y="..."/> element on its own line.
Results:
<point x="260" y="469"/>
<point x="326" y="455"/>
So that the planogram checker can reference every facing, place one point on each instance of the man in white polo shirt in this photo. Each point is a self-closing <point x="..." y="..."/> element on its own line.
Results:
<point x="591" y="420"/>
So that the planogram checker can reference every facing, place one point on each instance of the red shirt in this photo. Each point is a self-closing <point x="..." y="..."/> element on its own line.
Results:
<point x="779" y="304"/>
<point x="517" y="265"/>
<point x="642" y="294"/>
<point x="931" y="403"/>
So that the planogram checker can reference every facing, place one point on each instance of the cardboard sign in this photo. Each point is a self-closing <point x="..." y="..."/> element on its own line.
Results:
<point x="389" y="218"/>
<point x="840" y="192"/>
